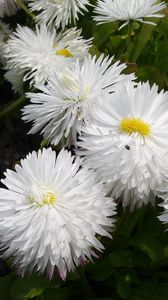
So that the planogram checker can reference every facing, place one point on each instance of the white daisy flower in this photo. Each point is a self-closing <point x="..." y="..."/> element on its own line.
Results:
<point x="40" y="53"/>
<point x="127" y="143"/>
<point x="8" y="8"/>
<point x="61" y="12"/>
<point x="125" y="10"/>
<point x="65" y="103"/>
<point x="51" y="212"/>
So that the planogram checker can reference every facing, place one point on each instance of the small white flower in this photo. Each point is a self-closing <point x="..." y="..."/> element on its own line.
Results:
<point x="61" y="12"/>
<point x="127" y="144"/>
<point x="40" y="53"/>
<point x="125" y="10"/>
<point x="8" y="8"/>
<point x="65" y="103"/>
<point x="51" y="212"/>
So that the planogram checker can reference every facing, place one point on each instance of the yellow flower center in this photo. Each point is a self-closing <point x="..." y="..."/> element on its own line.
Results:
<point x="131" y="125"/>
<point x="64" y="52"/>
<point x="49" y="198"/>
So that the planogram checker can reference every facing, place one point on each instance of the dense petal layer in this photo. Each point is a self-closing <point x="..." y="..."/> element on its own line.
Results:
<point x="60" y="12"/>
<point x="113" y="10"/>
<point x="37" y="54"/>
<point x="51" y="212"/>
<point x="66" y="102"/>
<point x="131" y="160"/>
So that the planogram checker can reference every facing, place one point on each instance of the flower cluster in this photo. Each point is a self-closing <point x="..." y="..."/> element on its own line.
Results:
<point x="55" y="206"/>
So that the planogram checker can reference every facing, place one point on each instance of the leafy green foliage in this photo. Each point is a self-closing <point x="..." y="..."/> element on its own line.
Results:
<point x="5" y="284"/>
<point x="28" y="287"/>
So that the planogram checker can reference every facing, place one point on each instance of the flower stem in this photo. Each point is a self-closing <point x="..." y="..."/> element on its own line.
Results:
<point x="129" y="39"/>
<point x="27" y="11"/>
<point x="11" y="107"/>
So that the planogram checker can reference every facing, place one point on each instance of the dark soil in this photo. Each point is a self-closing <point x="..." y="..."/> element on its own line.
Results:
<point x="15" y="143"/>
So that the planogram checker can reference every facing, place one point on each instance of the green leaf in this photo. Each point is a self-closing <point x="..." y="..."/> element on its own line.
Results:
<point x="151" y="291"/>
<point x="28" y="287"/>
<point x="63" y="293"/>
<point x="130" y="276"/>
<point x="5" y="283"/>
<point x="94" y="51"/>
<point x="150" y="245"/>
<point x="100" y="270"/>
<point x="103" y="33"/>
<point x="152" y="74"/>
<point x="34" y="292"/>
<point x="143" y="39"/>
<point x="124" y="258"/>
<point x="123" y="288"/>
